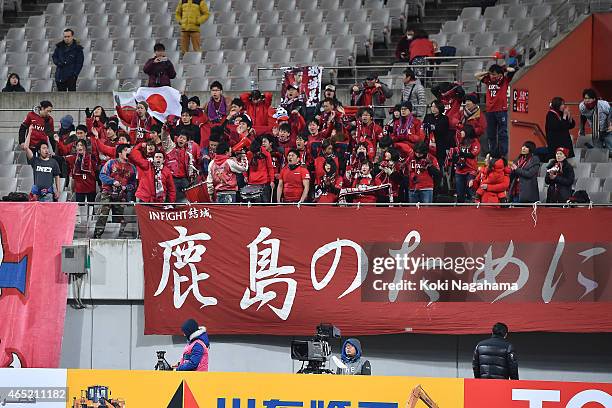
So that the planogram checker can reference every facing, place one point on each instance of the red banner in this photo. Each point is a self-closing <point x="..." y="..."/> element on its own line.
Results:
<point x="33" y="289"/>
<point x="284" y="270"/>
<point x="536" y="394"/>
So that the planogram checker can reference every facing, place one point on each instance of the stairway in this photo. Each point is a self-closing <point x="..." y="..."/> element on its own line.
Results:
<point x="29" y="8"/>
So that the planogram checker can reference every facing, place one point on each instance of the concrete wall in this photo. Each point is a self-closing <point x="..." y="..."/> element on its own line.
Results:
<point x="109" y="334"/>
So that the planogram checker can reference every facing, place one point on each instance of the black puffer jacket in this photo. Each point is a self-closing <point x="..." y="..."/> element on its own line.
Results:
<point x="495" y="358"/>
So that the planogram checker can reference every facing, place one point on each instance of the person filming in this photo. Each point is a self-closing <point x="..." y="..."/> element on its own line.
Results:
<point x="352" y="360"/>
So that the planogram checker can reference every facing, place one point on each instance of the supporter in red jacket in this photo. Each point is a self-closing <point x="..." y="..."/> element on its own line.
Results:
<point x="329" y="187"/>
<point x="371" y="92"/>
<point x="331" y="116"/>
<point x="183" y="159"/>
<point x="82" y="167"/>
<point x="492" y="181"/>
<point x="305" y="156"/>
<point x="452" y="96"/>
<point x="141" y="124"/>
<point x="95" y="121"/>
<point x="423" y="171"/>
<point x="421" y="45"/>
<point x="364" y="178"/>
<point x="472" y="115"/>
<point x="391" y="173"/>
<point x="256" y="106"/>
<point x="327" y="152"/>
<point x="408" y="130"/>
<point x="244" y="134"/>
<point x="286" y="137"/>
<point x="261" y="169"/>
<point x="294" y="181"/>
<point x="497" y="80"/>
<point x="222" y="180"/>
<point x="360" y="156"/>
<point x="465" y="160"/>
<point x="155" y="183"/>
<point x="367" y="130"/>
<point x="42" y="125"/>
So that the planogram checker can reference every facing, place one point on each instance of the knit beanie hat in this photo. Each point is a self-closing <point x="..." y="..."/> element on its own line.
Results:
<point x="67" y="121"/>
<point x="194" y="99"/>
<point x="472" y="98"/>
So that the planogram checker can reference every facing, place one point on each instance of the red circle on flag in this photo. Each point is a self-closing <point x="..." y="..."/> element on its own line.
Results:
<point x="157" y="103"/>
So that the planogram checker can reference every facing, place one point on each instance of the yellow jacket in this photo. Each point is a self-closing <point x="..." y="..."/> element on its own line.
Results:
<point x="191" y="15"/>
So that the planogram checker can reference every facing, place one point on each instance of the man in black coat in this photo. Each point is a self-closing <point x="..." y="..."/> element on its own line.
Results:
<point x="68" y="57"/>
<point x="495" y="357"/>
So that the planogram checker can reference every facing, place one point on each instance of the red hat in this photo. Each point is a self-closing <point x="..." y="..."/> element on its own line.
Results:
<point x="563" y="150"/>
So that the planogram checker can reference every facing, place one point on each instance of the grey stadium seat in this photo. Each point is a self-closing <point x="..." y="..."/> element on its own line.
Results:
<point x="306" y="4"/>
<point x="299" y="42"/>
<point x="41" y="58"/>
<point x="42" y="85"/>
<point x="516" y="12"/>
<point x="540" y="11"/>
<point x="36" y="21"/>
<point x="108" y="85"/>
<point x="178" y="83"/>
<point x="208" y="30"/>
<point x="322" y="42"/>
<point x="597" y="156"/>
<point x="198" y="85"/>
<point x="256" y="44"/>
<point x="7" y="144"/>
<point x="163" y="31"/>
<point x="316" y="28"/>
<point x="459" y="40"/>
<point x="325" y="57"/>
<point x="230" y="43"/>
<point x="474" y="26"/>
<point x="373" y="4"/>
<point x="257" y="56"/>
<point x="88" y="71"/>
<point x="240" y="71"/>
<point x="269" y="17"/>
<point x="607" y="185"/>
<point x="506" y="39"/>
<point x="192" y="57"/>
<point x="603" y="170"/>
<point x="235" y="57"/>
<point x="142" y="32"/>
<point x="211" y="44"/>
<point x="7" y="157"/>
<point x="250" y="30"/>
<point x="241" y="84"/>
<point x="40" y="71"/>
<point x="588" y="184"/>
<point x="8" y="170"/>
<point x="273" y="30"/>
<point x="242" y="5"/>
<point x="264" y="5"/>
<point x="228" y="31"/>
<point x="228" y="17"/>
<point x="358" y="15"/>
<point x="482" y="40"/>
<point x="523" y="26"/>
<point x="280" y="56"/>
<point x="451" y="27"/>
<point x="600" y="197"/>
<point x="213" y="57"/>
<point x="470" y="13"/>
<point x="277" y="43"/>
<point x="286" y="5"/>
<point x="55" y="8"/>
<point x="582" y="170"/>
<point x="106" y="71"/>
<point x="87" y="85"/>
<point x="247" y="18"/>
<point x="129" y="72"/>
<point x="8" y="184"/>
<point x="499" y="26"/>
<point x="333" y="5"/>
<point x="303" y="56"/>
<point x="351" y="4"/>
<point x="288" y="17"/>
<point x="313" y="16"/>
<point x="219" y="70"/>
<point x="194" y="71"/>
<point x="494" y="13"/>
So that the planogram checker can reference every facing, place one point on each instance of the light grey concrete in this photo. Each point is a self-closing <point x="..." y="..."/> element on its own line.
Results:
<point x="110" y="335"/>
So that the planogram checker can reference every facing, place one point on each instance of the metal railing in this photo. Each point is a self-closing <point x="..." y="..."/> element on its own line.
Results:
<point x="87" y="216"/>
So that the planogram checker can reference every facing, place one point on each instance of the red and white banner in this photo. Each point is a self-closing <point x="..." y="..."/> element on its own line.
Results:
<point x="163" y="101"/>
<point x="536" y="394"/>
<point x="284" y="270"/>
<point x="307" y="80"/>
<point x="33" y="288"/>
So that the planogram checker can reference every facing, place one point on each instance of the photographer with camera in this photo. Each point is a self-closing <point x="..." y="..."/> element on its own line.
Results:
<point x="118" y="178"/>
<point x="559" y="177"/>
<point x="353" y="362"/>
<point x="423" y="170"/>
<point x="195" y="354"/>
<point x="159" y="68"/>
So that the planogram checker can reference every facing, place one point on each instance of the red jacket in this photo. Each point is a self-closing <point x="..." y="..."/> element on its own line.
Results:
<point x="98" y="125"/>
<point x="419" y="176"/>
<point x="407" y="132"/>
<point x="497" y="93"/>
<point x="83" y="172"/>
<point x="258" y="113"/>
<point x="467" y="156"/>
<point x="365" y="181"/>
<point x="146" y="180"/>
<point x="421" y="47"/>
<point x="452" y="105"/>
<point x="139" y="129"/>
<point x="327" y="190"/>
<point x="395" y="178"/>
<point x="262" y="170"/>
<point x="38" y="131"/>
<point x="319" y="165"/>
<point x="179" y="162"/>
<point x="477" y="120"/>
<point x="497" y="181"/>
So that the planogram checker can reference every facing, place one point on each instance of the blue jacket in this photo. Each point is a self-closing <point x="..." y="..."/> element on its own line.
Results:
<point x="68" y="59"/>
<point x="197" y="352"/>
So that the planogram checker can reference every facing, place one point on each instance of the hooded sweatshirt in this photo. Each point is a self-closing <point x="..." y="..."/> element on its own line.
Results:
<point x="356" y="365"/>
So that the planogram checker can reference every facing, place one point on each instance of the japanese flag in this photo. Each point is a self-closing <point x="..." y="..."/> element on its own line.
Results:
<point x="163" y="101"/>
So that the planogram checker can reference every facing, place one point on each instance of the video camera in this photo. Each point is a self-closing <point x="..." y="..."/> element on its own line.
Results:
<point x="315" y="352"/>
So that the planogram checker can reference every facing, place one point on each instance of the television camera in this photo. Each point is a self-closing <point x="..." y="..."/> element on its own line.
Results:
<point x="316" y="352"/>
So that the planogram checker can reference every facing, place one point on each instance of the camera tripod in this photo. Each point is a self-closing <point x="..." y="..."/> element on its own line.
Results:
<point x="315" y="367"/>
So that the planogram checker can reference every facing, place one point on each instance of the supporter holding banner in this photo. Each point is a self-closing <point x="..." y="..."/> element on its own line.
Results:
<point x="291" y="268"/>
<point x="307" y="81"/>
<point x="33" y="288"/>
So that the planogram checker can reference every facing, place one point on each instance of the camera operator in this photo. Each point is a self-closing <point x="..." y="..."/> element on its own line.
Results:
<point x="354" y="363"/>
<point x="195" y="354"/>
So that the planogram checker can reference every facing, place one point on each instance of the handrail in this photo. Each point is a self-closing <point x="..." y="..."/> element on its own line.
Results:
<point x="537" y="130"/>
<point x="356" y="205"/>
